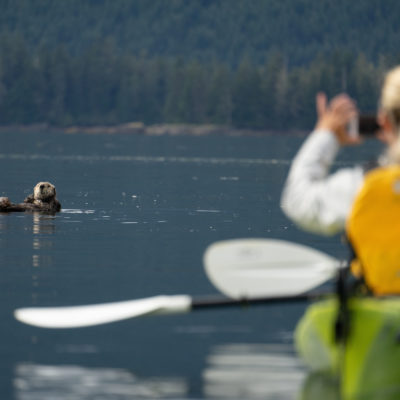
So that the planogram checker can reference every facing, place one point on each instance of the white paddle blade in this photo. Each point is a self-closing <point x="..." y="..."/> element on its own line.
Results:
<point x="251" y="268"/>
<point x="82" y="316"/>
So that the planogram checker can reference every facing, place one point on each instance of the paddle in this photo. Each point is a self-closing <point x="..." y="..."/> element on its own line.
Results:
<point x="249" y="270"/>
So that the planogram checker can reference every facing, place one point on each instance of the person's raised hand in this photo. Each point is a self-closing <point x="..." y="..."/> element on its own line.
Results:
<point x="336" y="115"/>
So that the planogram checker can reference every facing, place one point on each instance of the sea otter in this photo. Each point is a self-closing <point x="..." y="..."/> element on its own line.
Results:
<point x="43" y="200"/>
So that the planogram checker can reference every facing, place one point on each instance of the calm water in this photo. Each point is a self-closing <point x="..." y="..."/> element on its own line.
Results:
<point x="138" y="213"/>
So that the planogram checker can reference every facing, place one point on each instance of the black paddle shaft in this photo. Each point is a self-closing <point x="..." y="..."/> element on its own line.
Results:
<point x="212" y="302"/>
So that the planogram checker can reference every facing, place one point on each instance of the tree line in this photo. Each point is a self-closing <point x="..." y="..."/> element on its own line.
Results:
<point x="106" y="86"/>
<point x="225" y="30"/>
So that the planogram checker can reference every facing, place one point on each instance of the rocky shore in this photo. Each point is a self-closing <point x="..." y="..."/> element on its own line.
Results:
<point x="139" y="128"/>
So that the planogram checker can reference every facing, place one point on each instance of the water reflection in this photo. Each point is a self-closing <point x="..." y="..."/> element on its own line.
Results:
<point x="253" y="371"/>
<point x="67" y="382"/>
<point x="232" y="371"/>
<point x="43" y="229"/>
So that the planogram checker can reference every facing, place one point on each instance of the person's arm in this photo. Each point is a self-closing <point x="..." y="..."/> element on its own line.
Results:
<point x="313" y="199"/>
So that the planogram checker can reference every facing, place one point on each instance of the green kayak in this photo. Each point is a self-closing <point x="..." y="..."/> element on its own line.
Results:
<point x="367" y="363"/>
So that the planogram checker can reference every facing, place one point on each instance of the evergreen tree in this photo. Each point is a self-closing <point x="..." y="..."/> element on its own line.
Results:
<point x="247" y="96"/>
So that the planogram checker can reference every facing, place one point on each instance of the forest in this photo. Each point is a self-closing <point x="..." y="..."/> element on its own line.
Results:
<point x="248" y="64"/>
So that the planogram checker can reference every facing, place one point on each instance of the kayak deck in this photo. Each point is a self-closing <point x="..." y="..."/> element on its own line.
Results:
<point x="369" y="360"/>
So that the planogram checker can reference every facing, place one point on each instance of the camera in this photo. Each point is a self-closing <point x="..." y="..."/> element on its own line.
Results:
<point x="365" y="125"/>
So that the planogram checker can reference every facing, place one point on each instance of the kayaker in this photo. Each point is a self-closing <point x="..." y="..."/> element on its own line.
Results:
<point x="315" y="199"/>
<point x="366" y="202"/>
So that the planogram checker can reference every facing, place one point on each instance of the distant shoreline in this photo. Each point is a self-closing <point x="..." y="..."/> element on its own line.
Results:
<point x="138" y="128"/>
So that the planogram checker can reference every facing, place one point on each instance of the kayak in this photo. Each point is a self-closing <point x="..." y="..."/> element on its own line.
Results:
<point x="367" y="361"/>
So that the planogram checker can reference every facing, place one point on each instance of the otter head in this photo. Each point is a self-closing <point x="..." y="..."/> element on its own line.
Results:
<point x="5" y="202"/>
<point x="44" y="191"/>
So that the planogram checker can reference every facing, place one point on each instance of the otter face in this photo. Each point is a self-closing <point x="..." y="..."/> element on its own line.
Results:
<point x="44" y="191"/>
<point x="5" y="202"/>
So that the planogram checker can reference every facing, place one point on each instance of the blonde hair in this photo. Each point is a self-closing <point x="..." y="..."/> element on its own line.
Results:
<point x="390" y="104"/>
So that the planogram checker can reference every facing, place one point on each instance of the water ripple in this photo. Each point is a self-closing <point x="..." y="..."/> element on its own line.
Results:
<point x="145" y="159"/>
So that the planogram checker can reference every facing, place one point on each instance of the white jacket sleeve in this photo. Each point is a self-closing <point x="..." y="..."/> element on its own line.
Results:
<point x="313" y="199"/>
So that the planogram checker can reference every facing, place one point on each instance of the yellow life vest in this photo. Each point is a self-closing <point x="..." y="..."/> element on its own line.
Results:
<point x="373" y="228"/>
